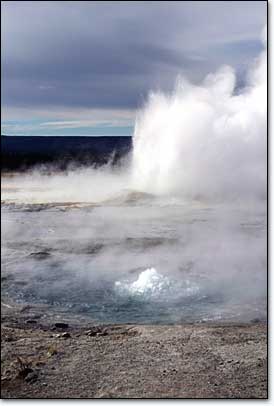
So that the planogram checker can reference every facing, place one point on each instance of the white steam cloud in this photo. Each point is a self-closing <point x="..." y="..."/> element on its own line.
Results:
<point x="205" y="141"/>
<point x="202" y="141"/>
<point x="183" y="221"/>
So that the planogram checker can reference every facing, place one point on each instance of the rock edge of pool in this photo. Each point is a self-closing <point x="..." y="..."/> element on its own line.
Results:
<point x="61" y="358"/>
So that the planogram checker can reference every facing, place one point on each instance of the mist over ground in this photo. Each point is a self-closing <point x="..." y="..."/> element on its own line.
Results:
<point x="175" y="233"/>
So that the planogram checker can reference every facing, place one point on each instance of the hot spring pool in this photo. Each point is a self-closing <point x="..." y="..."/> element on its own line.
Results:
<point x="138" y="260"/>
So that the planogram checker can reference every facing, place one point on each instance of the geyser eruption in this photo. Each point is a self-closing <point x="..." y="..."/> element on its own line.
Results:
<point x="205" y="140"/>
<point x="130" y="244"/>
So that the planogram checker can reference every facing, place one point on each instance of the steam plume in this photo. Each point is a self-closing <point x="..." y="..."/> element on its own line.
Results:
<point x="205" y="140"/>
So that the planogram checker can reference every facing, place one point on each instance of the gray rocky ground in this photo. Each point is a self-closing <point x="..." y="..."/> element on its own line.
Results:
<point x="82" y="360"/>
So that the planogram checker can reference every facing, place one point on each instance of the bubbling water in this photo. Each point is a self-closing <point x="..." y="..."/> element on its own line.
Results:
<point x="188" y="212"/>
<point x="149" y="283"/>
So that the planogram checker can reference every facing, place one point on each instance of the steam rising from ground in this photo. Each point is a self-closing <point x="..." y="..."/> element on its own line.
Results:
<point x="142" y="261"/>
<point x="179" y="233"/>
<point x="202" y="141"/>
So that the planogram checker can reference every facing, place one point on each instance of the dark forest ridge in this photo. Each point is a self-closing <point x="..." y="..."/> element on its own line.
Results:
<point x="25" y="151"/>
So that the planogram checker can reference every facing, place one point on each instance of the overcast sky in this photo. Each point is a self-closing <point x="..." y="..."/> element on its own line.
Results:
<point x="74" y="67"/>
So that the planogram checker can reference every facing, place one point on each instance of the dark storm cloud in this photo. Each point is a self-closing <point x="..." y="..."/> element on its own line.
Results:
<point x="109" y="79"/>
<point x="110" y="54"/>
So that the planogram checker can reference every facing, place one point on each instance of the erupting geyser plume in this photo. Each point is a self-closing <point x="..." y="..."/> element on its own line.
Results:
<point x="205" y="140"/>
<point x="130" y="243"/>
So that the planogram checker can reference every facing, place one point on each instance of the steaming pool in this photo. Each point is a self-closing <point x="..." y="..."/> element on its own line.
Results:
<point x="137" y="258"/>
<point x="176" y="232"/>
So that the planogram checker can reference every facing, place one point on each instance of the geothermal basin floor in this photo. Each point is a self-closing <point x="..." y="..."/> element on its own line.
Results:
<point x="130" y="361"/>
